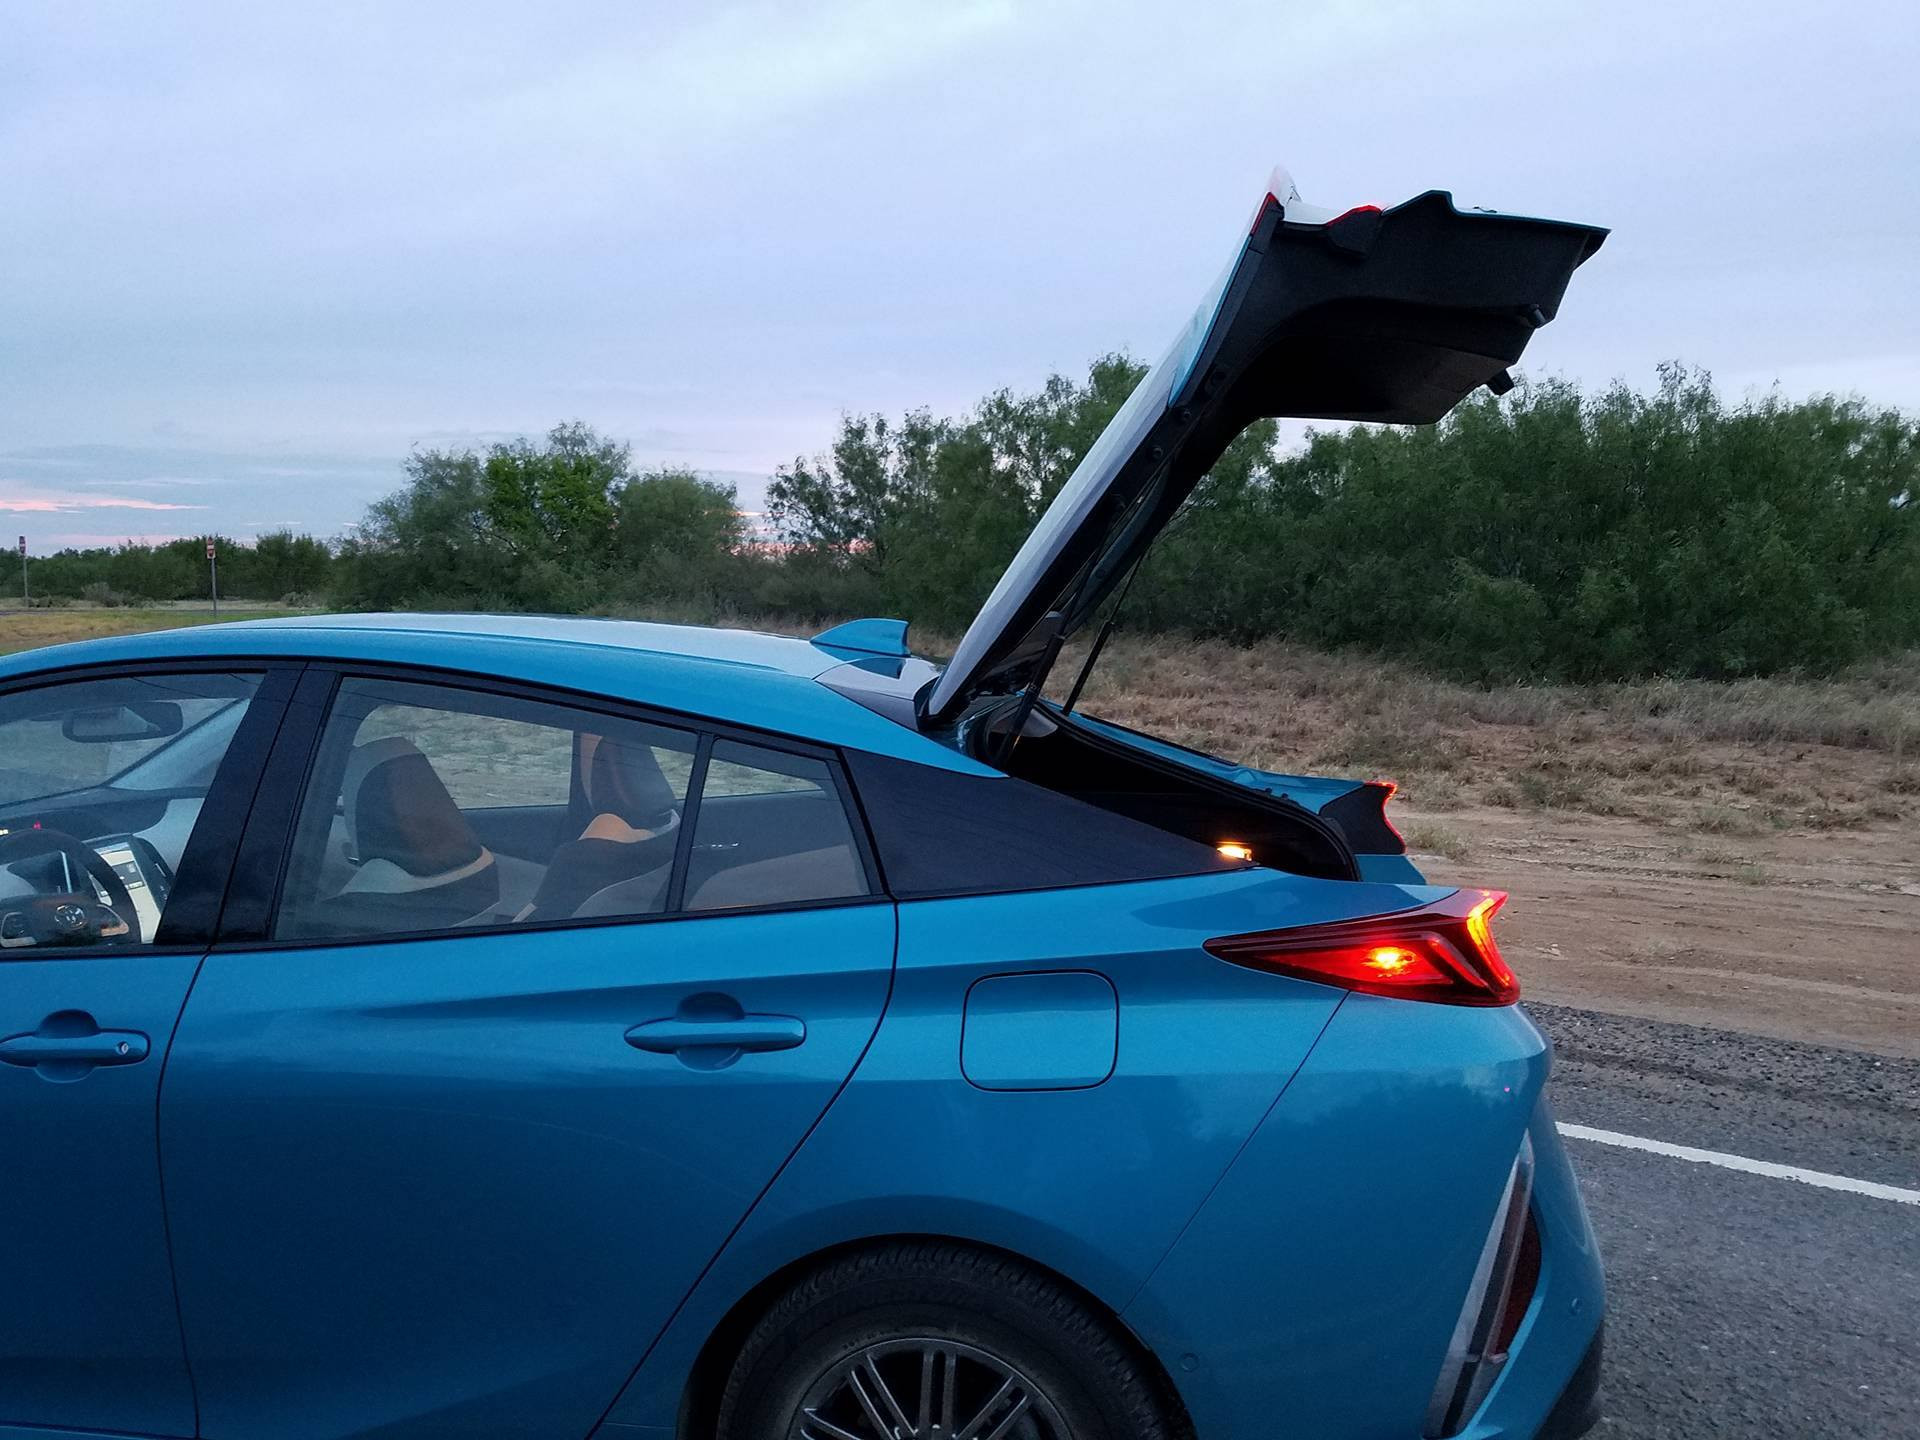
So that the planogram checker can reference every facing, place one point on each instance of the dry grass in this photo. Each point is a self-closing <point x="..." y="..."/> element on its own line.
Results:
<point x="30" y="629"/>
<point x="1745" y="759"/>
<point x="1425" y="837"/>
<point x="1749" y="758"/>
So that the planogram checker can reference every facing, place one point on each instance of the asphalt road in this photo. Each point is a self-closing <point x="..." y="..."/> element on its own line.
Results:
<point x="1747" y="1304"/>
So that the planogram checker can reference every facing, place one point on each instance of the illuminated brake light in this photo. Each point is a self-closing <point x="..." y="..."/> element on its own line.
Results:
<point x="1443" y="953"/>
<point x="1391" y="959"/>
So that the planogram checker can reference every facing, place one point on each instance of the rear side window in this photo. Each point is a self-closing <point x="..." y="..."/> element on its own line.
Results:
<point x="436" y="807"/>
<point x="771" y="830"/>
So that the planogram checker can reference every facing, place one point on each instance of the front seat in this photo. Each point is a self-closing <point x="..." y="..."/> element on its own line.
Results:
<point x="417" y="863"/>
<point x="621" y="862"/>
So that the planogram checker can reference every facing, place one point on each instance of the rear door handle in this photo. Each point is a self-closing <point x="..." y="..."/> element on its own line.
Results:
<point x="749" y="1032"/>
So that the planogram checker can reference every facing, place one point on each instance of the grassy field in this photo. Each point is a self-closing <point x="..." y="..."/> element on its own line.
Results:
<point x="30" y="629"/>
<point x="1742" y="759"/>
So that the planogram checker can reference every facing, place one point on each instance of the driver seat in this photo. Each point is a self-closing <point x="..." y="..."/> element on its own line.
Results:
<point x="418" y="864"/>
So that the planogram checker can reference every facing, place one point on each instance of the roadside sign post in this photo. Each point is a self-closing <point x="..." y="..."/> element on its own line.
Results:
<point x="213" y="575"/>
<point x="25" y="598"/>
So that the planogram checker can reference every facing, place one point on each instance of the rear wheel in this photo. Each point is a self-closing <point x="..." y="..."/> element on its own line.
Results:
<point x="936" y="1342"/>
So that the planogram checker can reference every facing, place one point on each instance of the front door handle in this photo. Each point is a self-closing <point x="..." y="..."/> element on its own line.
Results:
<point x="746" y="1032"/>
<point x="68" y="1045"/>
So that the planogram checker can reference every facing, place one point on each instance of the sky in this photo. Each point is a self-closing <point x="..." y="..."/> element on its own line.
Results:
<point x="253" y="255"/>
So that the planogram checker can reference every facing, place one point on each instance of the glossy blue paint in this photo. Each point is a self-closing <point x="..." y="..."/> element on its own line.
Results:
<point x="1059" y="1030"/>
<point x="1334" y="1255"/>
<point x="1568" y="1304"/>
<point x="429" y="1188"/>
<point x="911" y="1148"/>
<point x="1390" y="869"/>
<point x="1321" y="1281"/>
<point x="89" y="1337"/>
<point x="866" y="637"/>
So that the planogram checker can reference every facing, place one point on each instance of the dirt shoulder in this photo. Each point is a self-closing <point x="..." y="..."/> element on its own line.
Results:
<point x="1800" y="936"/>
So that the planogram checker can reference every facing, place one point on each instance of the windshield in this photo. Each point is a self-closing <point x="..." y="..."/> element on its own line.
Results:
<point x="43" y="758"/>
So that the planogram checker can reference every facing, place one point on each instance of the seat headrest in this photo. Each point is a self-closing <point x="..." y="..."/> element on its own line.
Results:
<point x="623" y="778"/>
<point x="399" y="810"/>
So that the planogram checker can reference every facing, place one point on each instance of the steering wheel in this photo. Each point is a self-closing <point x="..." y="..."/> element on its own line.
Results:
<point x="65" y="917"/>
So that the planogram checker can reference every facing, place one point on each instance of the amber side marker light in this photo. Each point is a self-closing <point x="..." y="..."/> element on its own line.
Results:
<point x="1234" y="850"/>
<point x="1443" y="952"/>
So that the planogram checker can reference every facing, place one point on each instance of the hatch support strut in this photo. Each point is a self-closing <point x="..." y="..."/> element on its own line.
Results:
<point x="1106" y="631"/>
<point x="1029" y="697"/>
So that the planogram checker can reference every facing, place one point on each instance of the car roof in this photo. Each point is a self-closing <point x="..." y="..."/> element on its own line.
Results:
<point x="742" y="677"/>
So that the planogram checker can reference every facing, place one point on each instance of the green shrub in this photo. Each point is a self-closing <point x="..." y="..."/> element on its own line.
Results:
<point x="1548" y="534"/>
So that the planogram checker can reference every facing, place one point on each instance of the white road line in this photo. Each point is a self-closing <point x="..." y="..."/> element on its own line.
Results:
<point x="1741" y="1162"/>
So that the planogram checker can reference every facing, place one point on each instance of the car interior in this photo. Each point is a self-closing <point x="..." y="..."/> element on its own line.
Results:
<point x="404" y="850"/>
<point x="101" y="786"/>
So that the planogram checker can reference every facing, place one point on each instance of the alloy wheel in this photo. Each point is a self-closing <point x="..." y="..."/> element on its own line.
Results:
<point x="926" y="1389"/>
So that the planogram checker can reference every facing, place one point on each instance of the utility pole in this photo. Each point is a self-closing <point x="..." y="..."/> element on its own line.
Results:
<point x="25" y="598"/>
<point x="213" y="575"/>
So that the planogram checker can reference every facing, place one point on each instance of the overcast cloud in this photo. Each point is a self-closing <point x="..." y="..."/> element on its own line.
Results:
<point x="254" y="253"/>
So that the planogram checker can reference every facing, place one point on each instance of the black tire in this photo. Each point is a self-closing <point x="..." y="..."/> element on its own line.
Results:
<point x="978" y="1309"/>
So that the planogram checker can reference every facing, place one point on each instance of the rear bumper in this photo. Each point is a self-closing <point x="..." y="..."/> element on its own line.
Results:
<point x="1579" y="1407"/>
<point x="1550" y="1389"/>
<point x="1324" y="1278"/>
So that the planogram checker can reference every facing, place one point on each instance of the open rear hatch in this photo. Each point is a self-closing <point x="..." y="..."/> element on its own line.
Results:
<point x="1390" y="316"/>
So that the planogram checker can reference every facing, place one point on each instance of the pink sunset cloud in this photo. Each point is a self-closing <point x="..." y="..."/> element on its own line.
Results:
<point x="33" y="505"/>
<point x="80" y="540"/>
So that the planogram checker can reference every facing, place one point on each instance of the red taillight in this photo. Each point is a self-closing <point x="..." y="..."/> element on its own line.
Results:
<point x="1443" y="952"/>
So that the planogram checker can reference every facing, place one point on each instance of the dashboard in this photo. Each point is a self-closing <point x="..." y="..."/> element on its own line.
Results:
<point x="147" y="883"/>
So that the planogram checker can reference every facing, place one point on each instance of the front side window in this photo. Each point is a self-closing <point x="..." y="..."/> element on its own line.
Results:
<point x="102" y="783"/>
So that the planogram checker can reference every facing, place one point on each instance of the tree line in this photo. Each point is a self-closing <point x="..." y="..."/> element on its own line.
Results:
<point x="1549" y="533"/>
<point x="279" y="566"/>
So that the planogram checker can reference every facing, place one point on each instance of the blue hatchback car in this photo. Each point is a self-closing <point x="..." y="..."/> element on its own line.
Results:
<point x="512" y="1027"/>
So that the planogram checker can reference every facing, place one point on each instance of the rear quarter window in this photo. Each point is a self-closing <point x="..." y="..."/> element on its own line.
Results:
<point x="771" y="830"/>
<point x="943" y="832"/>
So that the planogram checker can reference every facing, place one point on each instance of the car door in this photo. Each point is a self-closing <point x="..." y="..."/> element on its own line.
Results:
<point x="443" y="1159"/>
<point x="142" y="776"/>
